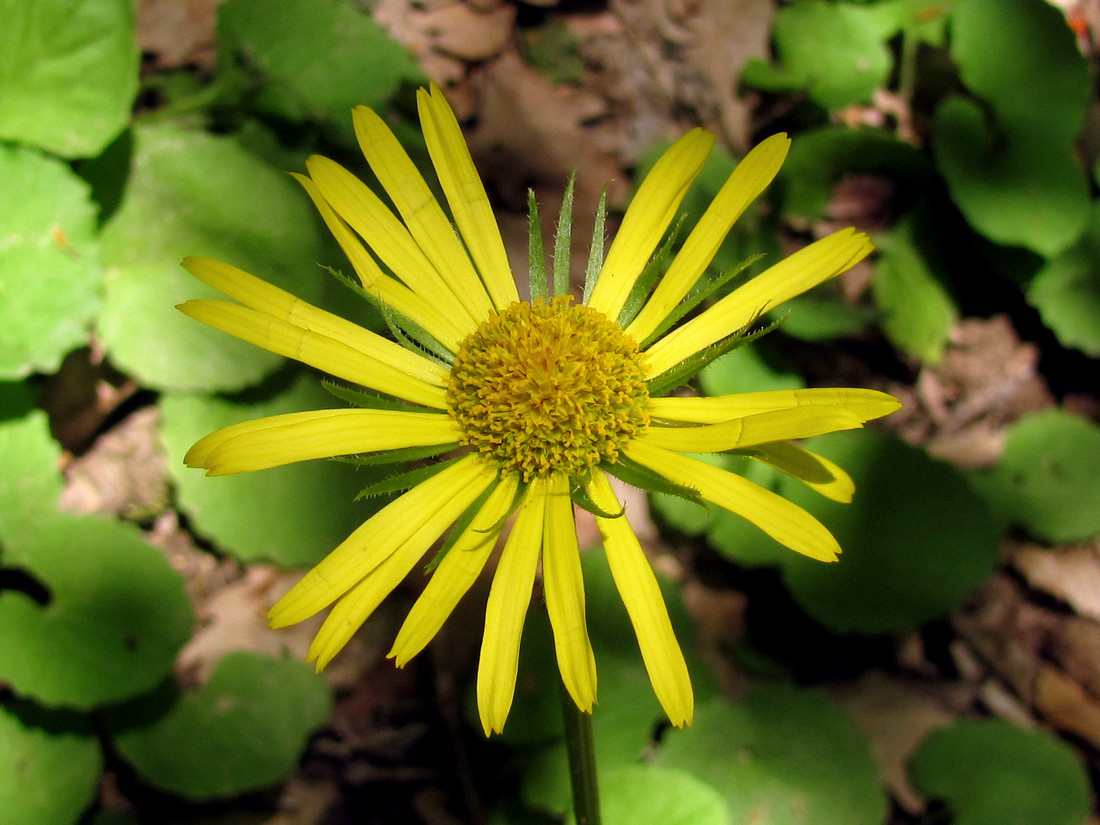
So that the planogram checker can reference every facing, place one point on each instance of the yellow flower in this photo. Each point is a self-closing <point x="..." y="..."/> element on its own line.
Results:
<point x="533" y="404"/>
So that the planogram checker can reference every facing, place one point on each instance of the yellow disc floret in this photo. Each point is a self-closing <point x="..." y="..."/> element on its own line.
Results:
<point x="548" y="388"/>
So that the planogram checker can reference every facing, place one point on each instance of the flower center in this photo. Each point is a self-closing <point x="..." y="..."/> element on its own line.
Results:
<point x="548" y="388"/>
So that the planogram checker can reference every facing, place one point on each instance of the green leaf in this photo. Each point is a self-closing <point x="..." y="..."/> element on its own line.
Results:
<point x="1066" y="291"/>
<point x="832" y="50"/>
<point x="115" y="617"/>
<point x="1000" y="63"/>
<point x="810" y="317"/>
<point x="293" y="515"/>
<point x="652" y="795"/>
<point x="916" y="538"/>
<point x="1047" y="480"/>
<point x="30" y="485"/>
<point x="822" y="158"/>
<point x="190" y="193"/>
<point x="49" y="765"/>
<point x="1015" y="184"/>
<point x="908" y="287"/>
<point x="1012" y="167"/>
<point x="50" y="267"/>
<point x="311" y="60"/>
<point x="993" y="773"/>
<point x="68" y="75"/>
<point x="244" y="730"/>
<point x="783" y="755"/>
<point x="749" y="369"/>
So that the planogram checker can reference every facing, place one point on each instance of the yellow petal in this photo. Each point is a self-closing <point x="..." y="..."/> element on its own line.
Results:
<point x="420" y="211"/>
<point x="815" y="471"/>
<point x="751" y="177"/>
<point x="792" y="276"/>
<point x="648" y="216"/>
<point x="326" y="354"/>
<point x="787" y="523"/>
<point x="506" y="610"/>
<point x="761" y="428"/>
<point x="420" y="515"/>
<point x="634" y="579"/>
<point x="365" y="212"/>
<point x="564" y="586"/>
<point x="386" y="291"/>
<point x="264" y="297"/>
<point x="455" y="574"/>
<point x="867" y="404"/>
<point x="466" y="195"/>
<point x="285" y="439"/>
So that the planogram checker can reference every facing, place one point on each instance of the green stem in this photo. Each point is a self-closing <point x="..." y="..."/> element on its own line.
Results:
<point x="582" y="761"/>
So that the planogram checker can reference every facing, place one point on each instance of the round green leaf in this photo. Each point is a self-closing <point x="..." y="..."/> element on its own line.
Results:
<point x="784" y="756"/>
<point x="115" y="617"/>
<point x="833" y="51"/>
<point x="993" y="773"/>
<point x="49" y="765"/>
<point x="293" y="515"/>
<point x="190" y="193"/>
<point x="30" y="485"/>
<point x="652" y="795"/>
<point x="49" y="262"/>
<point x="69" y="73"/>
<point x="1066" y="291"/>
<point x="1002" y="46"/>
<point x="1015" y="183"/>
<point x="916" y="538"/>
<point x="313" y="59"/>
<point x="243" y="730"/>
<point x="1047" y="479"/>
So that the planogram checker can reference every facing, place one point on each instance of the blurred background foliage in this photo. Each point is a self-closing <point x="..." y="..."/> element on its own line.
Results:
<point x="944" y="671"/>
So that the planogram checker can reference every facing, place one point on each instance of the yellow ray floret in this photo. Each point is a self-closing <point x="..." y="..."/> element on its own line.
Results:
<point x="455" y="574"/>
<point x="564" y="586"/>
<point x="436" y="502"/>
<point x="866" y="404"/>
<point x="285" y="439"/>
<point x="751" y="177"/>
<point x="646" y="220"/>
<point x="506" y="610"/>
<point x="387" y="291"/>
<point x="382" y="231"/>
<point x="466" y="195"/>
<point x="787" y="523"/>
<point x="634" y="579"/>
<point x="761" y="428"/>
<point x="815" y="471"/>
<point x="792" y="276"/>
<point x="420" y="211"/>
<point x="270" y="300"/>
<point x="327" y="354"/>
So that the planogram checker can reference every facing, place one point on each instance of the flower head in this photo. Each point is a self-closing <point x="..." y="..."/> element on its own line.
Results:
<point x="528" y="407"/>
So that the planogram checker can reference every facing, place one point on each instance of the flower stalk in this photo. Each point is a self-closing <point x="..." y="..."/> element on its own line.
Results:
<point x="581" y="750"/>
